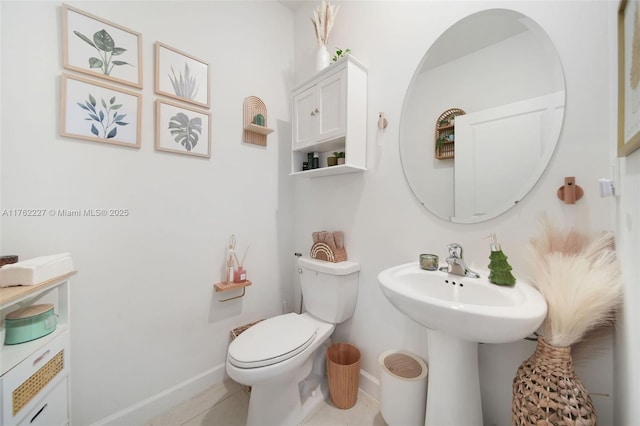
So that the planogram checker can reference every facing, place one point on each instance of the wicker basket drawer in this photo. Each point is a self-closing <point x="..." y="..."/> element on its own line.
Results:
<point x="51" y="410"/>
<point x="25" y="385"/>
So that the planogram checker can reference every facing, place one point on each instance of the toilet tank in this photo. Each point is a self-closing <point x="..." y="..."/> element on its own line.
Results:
<point x="330" y="290"/>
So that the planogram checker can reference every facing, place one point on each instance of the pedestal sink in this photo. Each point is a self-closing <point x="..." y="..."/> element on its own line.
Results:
<point x="459" y="313"/>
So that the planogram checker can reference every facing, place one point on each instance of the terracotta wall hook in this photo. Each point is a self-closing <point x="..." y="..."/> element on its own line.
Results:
<point x="570" y="192"/>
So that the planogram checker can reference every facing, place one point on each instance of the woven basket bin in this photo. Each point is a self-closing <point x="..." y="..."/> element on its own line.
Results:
<point x="546" y="390"/>
<point x="343" y="373"/>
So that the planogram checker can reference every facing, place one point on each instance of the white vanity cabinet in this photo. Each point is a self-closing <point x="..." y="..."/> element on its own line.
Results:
<point x="330" y="115"/>
<point x="34" y="376"/>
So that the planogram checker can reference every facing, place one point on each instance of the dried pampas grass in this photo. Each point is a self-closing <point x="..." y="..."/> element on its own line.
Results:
<point x="581" y="280"/>
<point x="322" y="20"/>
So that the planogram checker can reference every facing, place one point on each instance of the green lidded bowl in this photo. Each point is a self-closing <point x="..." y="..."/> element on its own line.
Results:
<point x="30" y="323"/>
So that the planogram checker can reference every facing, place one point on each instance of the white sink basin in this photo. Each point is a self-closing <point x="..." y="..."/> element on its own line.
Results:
<point x="458" y="313"/>
<point x="473" y="309"/>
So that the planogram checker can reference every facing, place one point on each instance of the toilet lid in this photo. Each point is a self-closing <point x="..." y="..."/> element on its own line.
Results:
<point x="271" y="341"/>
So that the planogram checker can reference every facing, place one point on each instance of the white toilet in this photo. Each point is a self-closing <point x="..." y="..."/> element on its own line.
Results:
<point x="276" y="357"/>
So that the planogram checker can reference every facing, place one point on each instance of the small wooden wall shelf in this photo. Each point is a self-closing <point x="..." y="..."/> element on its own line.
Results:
<point x="255" y="133"/>
<point x="226" y="286"/>
<point x="446" y="148"/>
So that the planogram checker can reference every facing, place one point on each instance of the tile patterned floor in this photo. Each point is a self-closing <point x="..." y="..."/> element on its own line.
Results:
<point x="227" y="404"/>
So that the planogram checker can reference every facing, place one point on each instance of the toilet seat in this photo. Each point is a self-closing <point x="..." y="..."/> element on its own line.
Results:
<point x="272" y="341"/>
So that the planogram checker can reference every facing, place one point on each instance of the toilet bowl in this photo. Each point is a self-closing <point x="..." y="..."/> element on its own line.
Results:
<point x="276" y="357"/>
<point x="274" y="368"/>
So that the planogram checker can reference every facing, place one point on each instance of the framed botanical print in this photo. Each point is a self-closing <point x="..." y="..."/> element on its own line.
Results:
<point x="94" y="111"/>
<point x="628" y="77"/>
<point x="182" y="129"/>
<point x="100" y="48"/>
<point x="181" y="76"/>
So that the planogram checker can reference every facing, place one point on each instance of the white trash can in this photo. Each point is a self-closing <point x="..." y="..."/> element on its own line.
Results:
<point x="403" y="388"/>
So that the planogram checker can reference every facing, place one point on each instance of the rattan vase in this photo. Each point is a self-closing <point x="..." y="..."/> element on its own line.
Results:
<point x="546" y="390"/>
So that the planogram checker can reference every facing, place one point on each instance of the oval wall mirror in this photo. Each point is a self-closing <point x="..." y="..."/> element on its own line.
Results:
<point x="502" y="70"/>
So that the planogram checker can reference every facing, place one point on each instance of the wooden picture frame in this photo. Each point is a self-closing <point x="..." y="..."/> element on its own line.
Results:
<point x="182" y="129"/>
<point x="181" y="76"/>
<point x="628" y="77"/>
<point x="100" y="48"/>
<point x="94" y="111"/>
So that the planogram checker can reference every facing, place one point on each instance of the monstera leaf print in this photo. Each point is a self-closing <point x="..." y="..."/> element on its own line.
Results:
<point x="185" y="131"/>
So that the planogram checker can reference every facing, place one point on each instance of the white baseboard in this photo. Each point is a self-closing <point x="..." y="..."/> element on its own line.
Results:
<point x="370" y="384"/>
<point x="143" y="411"/>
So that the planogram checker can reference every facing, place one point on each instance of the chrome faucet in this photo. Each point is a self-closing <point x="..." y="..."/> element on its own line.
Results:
<point x="456" y="264"/>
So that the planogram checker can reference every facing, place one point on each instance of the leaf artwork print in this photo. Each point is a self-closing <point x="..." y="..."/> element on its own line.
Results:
<point x="105" y="115"/>
<point x="106" y="48"/>
<point x="186" y="131"/>
<point x="634" y="73"/>
<point x="184" y="86"/>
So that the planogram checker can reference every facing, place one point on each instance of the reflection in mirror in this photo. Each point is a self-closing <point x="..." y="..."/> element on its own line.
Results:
<point x="502" y="69"/>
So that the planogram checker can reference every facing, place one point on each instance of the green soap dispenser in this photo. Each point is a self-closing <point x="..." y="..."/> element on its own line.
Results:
<point x="499" y="268"/>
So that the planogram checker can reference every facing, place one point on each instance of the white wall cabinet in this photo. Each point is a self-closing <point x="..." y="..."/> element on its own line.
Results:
<point x="34" y="376"/>
<point x="330" y="115"/>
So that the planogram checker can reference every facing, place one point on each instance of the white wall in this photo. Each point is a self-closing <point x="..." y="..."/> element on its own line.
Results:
<point x="145" y="317"/>
<point x="1" y="204"/>
<point x="628" y="333"/>
<point x="627" y="214"/>
<point x="385" y="226"/>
